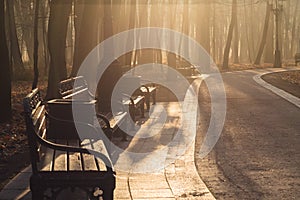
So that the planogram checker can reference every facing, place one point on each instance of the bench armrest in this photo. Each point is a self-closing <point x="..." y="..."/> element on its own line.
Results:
<point x="145" y="86"/>
<point x="129" y="97"/>
<point x="67" y="148"/>
<point x="106" y="121"/>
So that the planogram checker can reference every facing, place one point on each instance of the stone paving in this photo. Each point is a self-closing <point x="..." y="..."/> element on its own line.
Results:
<point x="160" y="164"/>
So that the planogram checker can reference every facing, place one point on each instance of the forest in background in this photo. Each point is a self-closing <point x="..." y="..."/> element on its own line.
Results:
<point x="51" y="38"/>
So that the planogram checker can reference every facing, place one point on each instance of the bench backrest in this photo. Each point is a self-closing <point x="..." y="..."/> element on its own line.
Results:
<point x="68" y="90"/>
<point x="35" y="125"/>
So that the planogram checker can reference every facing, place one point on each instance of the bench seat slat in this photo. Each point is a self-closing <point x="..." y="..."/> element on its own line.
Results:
<point x="97" y="145"/>
<point x="60" y="158"/>
<point x="77" y="93"/>
<point x="74" y="159"/>
<point x="117" y="120"/>
<point x="46" y="163"/>
<point x="90" y="161"/>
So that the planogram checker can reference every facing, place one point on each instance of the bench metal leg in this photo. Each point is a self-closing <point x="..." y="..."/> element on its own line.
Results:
<point x="108" y="195"/>
<point x="147" y="99"/>
<point x="142" y="107"/>
<point x="132" y="112"/>
<point x="154" y="97"/>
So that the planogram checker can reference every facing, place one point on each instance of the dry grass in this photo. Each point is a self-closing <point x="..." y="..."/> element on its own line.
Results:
<point x="292" y="77"/>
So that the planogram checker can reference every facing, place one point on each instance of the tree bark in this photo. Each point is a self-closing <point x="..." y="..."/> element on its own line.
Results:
<point x="264" y="35"/>
<point x="25" y="13"/>
<point x="269" y="48"/>
<point x="203" y="26"/>
<point x="36" y="46"/>
<point x="43" y="37"/>
<point x="18" y="65"/>
<point x="230" y="34"/>
<point x="293" y="39"/>
<point x="236" y="42"/>
<point x="132" y="15"/>
<point x="57" y="33"/>
<point x="86" y="31"/>
<point x="5" y="77"/>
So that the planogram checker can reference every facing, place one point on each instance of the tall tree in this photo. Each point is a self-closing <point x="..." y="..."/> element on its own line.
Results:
<point x="113" y="73"/>
<point x="5" y="80"/>
<point x="57" y="33"/>
<point x="14" y="43"/>
<point x="25" y="13"/>
<point x="269" y="49"/>
<point x="36" y="45"/>
<point x="86" y="30"/>
<point x="236" y="43"/>
<point x="264" y="34"/>
<point x="293" y="39"/>
<point x="171" y="57"/>
<point x="230" y="34"/>
<point x="203" y="26"/>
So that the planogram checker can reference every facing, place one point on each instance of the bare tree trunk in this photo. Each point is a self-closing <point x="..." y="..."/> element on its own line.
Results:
<point x="132" y="10"/>
<point x="171" y="57"/>
<point x="113" y="73"/>
<point x="25" y="13"/>
<point x="230" y="34"/>
<point x="264" y="35"/>
<point x="57" y="32"/>
<point x="236" y="43"/>
<point x="5" y="79"/>
<point x="36" y="45"/>
<point x="269" y="49"/>
<point x="247" y="33"/>
<point x="293" y="39"/>
<point x="203" y="26"/>
<point x="86" y="31"/>
<point x="214" y="30"/>
<point x="287" y="53"/>
<point x="14" y="43"/>
<point x="252" y="30"/>
<point x="44" y="38"/>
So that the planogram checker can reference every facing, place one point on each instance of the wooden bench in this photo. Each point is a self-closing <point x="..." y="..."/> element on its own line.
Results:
<point x="130" y="82"/>
<point x="68" y="91"/>
<point x="135" y="103"/>
<point x="62" y="164"/>
<point x="149" y="91"/>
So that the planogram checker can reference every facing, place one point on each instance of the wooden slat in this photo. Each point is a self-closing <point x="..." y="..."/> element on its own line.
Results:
<point x="74" y="158"/>
<point x="114" y="121"/>
<point x="89" y="160"/>
<point x="77" y="93"/>
<point x="99" y="146"/>
<point x="38" y="112"/>
<point x="46" y="159"/>
<point x="60" y="158"/>
<point x="117" y="120"/>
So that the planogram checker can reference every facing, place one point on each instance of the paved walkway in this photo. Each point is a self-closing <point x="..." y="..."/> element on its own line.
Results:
<point x="159" y="166"/>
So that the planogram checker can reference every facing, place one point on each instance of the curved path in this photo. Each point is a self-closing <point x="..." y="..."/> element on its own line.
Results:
<point x="169" y="174"/>
<point x="257" y="155"/>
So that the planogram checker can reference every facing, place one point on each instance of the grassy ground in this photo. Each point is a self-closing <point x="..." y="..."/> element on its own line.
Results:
<point x="291" y="77"/>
